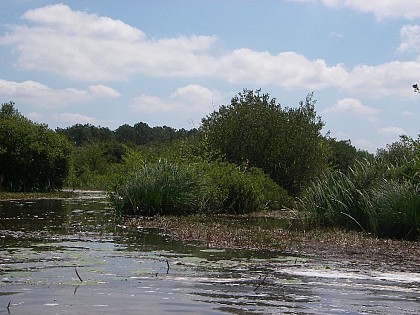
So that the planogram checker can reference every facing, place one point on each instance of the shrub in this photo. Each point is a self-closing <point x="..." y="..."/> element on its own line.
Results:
<point x="397" y="208"/>
<point x="32" y="157"/>
<point x="158" y="188"/>
<point x="367" y="198"/>
<point x="176" y="188"/>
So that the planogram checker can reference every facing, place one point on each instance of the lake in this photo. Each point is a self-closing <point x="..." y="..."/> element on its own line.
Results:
<point x="73" y="256"/>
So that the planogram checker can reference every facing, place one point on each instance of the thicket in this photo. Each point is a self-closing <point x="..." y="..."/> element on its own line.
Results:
<point x="163" y="187"/>
<point x="32" y="157"/>
<point x="250" y="155"/>
<point x="286" y="143"/>
<point x="379" y="196"/>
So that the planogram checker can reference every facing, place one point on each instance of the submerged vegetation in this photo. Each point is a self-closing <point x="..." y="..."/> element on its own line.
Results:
<point x="251" y="155"/>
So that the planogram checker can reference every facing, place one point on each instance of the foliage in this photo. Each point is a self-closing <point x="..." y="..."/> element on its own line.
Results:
<point x="230" y="189"/>
<point x="139" y="134"/>
<point x="96" y="165"/>
<point x="158" y="188"/>
<point x="404" y="158"/>
<point x="367" y="198"/>
<point x="79" y="134"/>
<point x="165" y="187"/>
<point x="397" y="208"/>
<point x="285" y="142"/>
<point x="343" y="155"/>
<point x="32" y="157"/>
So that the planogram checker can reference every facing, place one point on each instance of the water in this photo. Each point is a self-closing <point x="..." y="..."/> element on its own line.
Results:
<point x="75" y="257"/>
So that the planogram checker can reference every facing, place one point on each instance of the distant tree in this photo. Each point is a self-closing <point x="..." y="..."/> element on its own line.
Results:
<point x="79" y="134"/>
<point x="143" y="133"/>
<point x="343" y="154"/>
<point x="404" y="155"/>
<point x="256" y="131"/>
<point x="9" y="110"/>
<point x="32" y="157"/>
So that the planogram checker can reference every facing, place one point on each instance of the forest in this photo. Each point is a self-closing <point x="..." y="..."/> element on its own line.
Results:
<point x="250" y="155"/>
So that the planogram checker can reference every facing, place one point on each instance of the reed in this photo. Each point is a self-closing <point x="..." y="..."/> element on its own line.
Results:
<point x="368" y="198"/>
<point x="158" y="188"/>
<point x="176" y="188"/>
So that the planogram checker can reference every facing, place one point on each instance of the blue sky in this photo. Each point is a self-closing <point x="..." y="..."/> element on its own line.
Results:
<point x="173" y="62"/>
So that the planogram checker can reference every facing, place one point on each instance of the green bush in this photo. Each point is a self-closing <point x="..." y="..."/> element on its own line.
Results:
<point x="158" y="188"/>
<point x="32" y="157"/>
<point x="335" y="200"/>
<point x="367" y="198"/>
<point x="175" y="188"/>
<point x="397" y="208"/>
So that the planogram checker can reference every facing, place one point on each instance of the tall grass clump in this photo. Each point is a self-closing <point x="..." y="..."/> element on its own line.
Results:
<point x="397" y="208"/>
<point x="368" y="198"/>
<point x="338" y="199"/>
<point x="165" y="187"/>
<point x="234" y="190"/>
<point x="157" y="188"/>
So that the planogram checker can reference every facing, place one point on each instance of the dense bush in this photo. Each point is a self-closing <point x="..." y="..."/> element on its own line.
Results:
<point x="32" y="157"/>
<point x="397" y="209"/>
<point x="158" y="188"/>
<point x="368" y="198"/>
<point x="96" y="165"/>
<point x="285" y="142"/>
<point x="172" y="188"/>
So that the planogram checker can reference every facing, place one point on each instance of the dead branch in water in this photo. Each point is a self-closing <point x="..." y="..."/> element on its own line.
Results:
<point x="77" y="274"/>
<point x="261" y="283"/>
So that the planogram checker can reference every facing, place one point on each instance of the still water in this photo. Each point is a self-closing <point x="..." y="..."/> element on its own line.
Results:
<point x="74" y="257"/>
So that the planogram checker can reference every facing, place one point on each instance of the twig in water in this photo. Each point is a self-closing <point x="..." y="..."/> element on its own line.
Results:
<point x="75" y="289"/>
<point x="78" y="276"/>
<point x="8" y="307"/>
<point x="167" y="263"/>
<point x="261" y="283"/>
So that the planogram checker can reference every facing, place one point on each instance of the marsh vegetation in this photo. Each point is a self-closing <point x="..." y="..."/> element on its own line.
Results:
<point x="248" y="156"/>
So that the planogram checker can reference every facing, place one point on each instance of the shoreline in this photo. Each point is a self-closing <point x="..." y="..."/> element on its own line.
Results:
<point x="332" y="246"/>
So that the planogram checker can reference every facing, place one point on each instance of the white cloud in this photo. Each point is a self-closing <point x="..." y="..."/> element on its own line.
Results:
<point x="353" y="106"/>
<point x="190" y="98"/>
<point x="150" y="104"/>
<point x="393" y="78"/>
<point x="40" y="95"/>
<point x="103" y="91"/>
<point x="410" y="39"/>
<point x="364" y="144"/>
<point x="36" y="116"/>
<point x="71" y="119"/>
<point x="286" y="69"/>
<point x="407" y="113"/>
<point x="409" y="9"/>
<point x="82" y="46"/>
<point x="391" y="130"/>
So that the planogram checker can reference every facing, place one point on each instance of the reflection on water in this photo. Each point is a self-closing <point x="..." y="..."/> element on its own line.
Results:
<point x="75" y="257"/>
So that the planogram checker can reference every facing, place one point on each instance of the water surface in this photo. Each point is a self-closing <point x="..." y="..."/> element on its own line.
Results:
<point x="74" y="257"/>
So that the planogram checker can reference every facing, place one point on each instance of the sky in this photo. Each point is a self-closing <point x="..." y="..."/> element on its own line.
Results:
<point x="173" y="62"/>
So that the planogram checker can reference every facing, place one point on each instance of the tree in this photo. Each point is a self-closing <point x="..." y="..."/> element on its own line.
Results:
<point x="79" y="134"/>
<point x="254" y="130"/>
<point x="32" y="157"/>
<point x="343" y="154"/>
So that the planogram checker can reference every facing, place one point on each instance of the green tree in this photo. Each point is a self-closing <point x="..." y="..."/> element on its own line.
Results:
<point x="254" y="130"/>
<point x="344" y="155"/>
<point x="32" y="157"/>
<point x="404" y="157"/>
<point x="79" y="134"/>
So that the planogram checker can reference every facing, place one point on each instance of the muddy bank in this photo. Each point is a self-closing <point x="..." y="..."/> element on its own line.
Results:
<point x="337" y="247"/>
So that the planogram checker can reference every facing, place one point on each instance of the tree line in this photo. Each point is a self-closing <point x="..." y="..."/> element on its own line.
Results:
<point x="252" y="131"/>
<point x="138" y="134"/>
